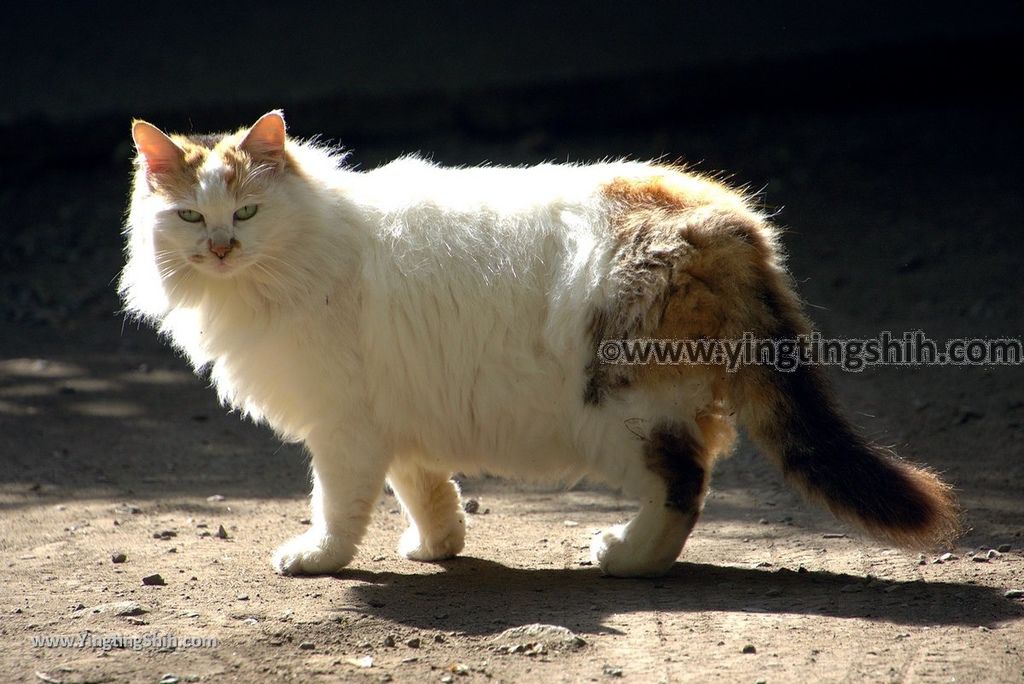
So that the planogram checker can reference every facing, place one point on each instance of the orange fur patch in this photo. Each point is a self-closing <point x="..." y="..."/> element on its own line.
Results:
<point x="689" y="251"/>
<point x="694" y="261"/>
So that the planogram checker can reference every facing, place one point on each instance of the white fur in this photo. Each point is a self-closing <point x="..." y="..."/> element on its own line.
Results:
<point x="406" y="323"/>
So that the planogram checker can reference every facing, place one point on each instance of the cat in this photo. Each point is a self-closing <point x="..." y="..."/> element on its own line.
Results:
<point x="413" y="321"/>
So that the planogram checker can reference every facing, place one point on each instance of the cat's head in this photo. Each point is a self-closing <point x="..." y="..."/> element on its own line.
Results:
<point x="213" y="201"/>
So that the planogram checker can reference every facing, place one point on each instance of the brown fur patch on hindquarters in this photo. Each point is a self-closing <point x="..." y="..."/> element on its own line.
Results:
<point x="680" y="270"/>
<point x="697" y="264"/>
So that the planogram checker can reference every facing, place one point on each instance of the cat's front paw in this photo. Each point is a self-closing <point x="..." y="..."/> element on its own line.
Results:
<point x="439" y="546"/>
<point x="613" y="552"/>
<point x="313" y="553"/>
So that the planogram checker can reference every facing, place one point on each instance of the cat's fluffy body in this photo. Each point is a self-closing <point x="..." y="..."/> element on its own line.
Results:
<point x="412" y="321"/>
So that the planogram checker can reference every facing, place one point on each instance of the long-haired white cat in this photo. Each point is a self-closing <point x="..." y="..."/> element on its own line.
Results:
<point x="413" y="321"/>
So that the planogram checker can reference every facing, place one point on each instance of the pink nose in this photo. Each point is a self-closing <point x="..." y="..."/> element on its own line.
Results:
<point x="221" y="249"/>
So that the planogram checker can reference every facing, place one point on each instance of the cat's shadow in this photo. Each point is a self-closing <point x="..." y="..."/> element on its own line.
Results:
<point x="480" y="597"/>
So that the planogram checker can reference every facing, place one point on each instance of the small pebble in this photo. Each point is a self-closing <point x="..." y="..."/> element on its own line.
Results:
<point x="612" y="671"/>
<point x="389" y="641"/>
<point x="1004" y="548"/>
<point x="992" y="553"/>
<point x="221" y="532"/>
<point x="413" y="642"/>
<point x="118" y="557"/>
<point x="215" y="497"/>
<point x="968" y="414"/>
<point x="242" y="597"/>
<point x="1014" y="593"/>
<point x="307" y="645"/>
<point x="750" y="648"/>
<point x="471" y="506"/>
<point x="164" y="534"/>
<point x="154" y="580"/>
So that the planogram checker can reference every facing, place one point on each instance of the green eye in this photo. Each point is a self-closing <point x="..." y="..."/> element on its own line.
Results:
<point x="246" y="212"/>
<point x="190" y="215"/>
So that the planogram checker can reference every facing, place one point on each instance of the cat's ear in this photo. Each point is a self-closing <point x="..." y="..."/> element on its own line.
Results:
<point x="265" y="140"/>
<point x="158" y="151"/>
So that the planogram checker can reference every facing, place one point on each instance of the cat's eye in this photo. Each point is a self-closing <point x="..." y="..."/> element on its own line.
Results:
<point x="246" y="212"/>
<point x="190" y="215"/>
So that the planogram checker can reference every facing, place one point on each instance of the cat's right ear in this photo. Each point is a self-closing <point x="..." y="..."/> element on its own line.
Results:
<point x="159" y="153"/>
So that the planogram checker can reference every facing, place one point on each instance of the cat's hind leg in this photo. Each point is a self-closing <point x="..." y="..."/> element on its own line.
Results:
<point x="659" y="449"/>
<point x="348" y="478"/>
<point x="437" y="524"/>
<point x="670" y="478"/>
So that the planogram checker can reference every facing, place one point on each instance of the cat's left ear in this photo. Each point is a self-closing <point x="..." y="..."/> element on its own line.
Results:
<point x="265" y="140"/>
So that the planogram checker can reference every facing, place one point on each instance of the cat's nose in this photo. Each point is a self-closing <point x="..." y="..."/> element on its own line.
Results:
<point x="222" y="247"/>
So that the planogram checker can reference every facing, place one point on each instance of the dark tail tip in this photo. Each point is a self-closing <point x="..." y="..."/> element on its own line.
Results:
<point x="794" y="418"/>
<point x="890" y="498"/>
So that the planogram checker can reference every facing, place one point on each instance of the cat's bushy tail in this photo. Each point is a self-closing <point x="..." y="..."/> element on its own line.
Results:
<point x="795" y="420"/>
<point x="793" y="417"/>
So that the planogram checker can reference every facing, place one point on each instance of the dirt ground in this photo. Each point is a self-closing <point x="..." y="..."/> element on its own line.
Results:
<point x="898" y="220"/>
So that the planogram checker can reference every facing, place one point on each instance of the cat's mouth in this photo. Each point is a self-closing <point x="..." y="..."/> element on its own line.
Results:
<point x="217" y="265"/>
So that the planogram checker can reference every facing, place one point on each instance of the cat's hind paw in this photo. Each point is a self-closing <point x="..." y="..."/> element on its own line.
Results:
<point x="613" y="552"/>
<point x="447" y="544"/>
<point x="313" y="553"/>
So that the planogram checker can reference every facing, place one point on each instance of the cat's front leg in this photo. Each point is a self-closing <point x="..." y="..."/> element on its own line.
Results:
<point x="348" y="476"/>
<point x="437" y="524"/>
